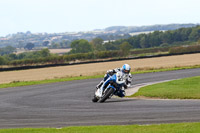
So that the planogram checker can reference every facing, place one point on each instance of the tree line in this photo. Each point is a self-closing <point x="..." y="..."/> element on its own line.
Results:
<point x="45" y="57"/>
<point x="97" y="49"/>
<point x="162" y="38"/>
<point x="156" y="39"/>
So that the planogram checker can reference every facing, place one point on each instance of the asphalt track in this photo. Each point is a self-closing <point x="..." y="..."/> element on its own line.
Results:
<point x="69" y="104"/>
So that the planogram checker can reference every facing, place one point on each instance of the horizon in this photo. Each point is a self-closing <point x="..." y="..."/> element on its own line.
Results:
<point x="94" y="29"/>
<point x="60" y="16"/>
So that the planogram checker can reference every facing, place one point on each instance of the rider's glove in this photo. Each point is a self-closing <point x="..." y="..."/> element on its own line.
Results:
<point x="110" y="72"/>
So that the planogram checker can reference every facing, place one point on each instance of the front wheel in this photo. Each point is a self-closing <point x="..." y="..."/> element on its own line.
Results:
<point x="95" y="99"/>
<point x="106" y="95"/>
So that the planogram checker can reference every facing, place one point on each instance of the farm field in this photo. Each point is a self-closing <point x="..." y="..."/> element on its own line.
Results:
<point x="59" y="51"/>
<point x="53" y="51"/>
<point x="98" y="68"/>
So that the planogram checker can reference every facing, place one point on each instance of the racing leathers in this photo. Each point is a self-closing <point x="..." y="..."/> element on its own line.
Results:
<point x="126" y="77"/>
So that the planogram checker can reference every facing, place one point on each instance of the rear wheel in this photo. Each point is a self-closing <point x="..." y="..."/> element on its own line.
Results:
<point x="106" y="95"/>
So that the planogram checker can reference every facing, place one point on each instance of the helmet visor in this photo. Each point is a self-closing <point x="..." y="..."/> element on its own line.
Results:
<point x="126" y="71"/>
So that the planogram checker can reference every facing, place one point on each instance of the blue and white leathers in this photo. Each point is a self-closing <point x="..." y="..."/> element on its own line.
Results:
<point x="118" y="79"/>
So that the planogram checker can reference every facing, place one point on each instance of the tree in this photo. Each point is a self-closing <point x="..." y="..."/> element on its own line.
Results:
<point x="45" y="52"/>
<point x="7" y="50"/>
<point x="20" y="44"/>
<point x="143" y="42"/>
<point x="45" y="43"/>
<point x="125" y="47"/>
<point x="11" y="57"/>
<point x="97" y="43"/>
<point x="185" y="32"/>
<point x="134" y="41"/>
<point x="154" y="39"/>
<point x="164" y="45"/>
<point x="167" y="37"/>
<point x="55" y="45"/>
<point x="195" y="34"/>
<point x="2" y="60"/>
<point x="81" y="46"/>
<point x="65" y="44"/>
<point x="110" y="46"/>
<point x="29" y="46"/>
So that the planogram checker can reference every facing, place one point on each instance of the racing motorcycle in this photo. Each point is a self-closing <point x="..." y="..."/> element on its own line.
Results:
<point x="110" y="87"/>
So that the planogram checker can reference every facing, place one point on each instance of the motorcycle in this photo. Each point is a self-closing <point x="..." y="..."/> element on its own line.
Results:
<point x="110" y="87"/>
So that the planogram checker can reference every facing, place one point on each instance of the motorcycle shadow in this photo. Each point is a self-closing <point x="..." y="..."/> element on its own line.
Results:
<point x="115" y="100"/>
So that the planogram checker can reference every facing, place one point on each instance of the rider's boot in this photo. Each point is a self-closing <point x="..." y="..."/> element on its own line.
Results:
<point x="100" y="84"/>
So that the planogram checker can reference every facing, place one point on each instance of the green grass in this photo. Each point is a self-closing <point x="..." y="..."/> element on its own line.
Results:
<point x="188" y="88"/>
<point x="139" y="71"/>
<point x="162" y="128"/>
<point x="25" y="83"/>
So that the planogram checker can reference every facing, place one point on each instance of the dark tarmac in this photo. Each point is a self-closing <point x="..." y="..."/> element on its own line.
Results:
<point x="69" y="104"/>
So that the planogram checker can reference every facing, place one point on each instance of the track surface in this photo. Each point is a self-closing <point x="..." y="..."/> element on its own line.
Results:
<point x="69" y="104"/>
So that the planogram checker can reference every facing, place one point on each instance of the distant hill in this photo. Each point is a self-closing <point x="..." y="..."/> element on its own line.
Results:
<point x="110" y="33"/>
<point x="132" y="29"/>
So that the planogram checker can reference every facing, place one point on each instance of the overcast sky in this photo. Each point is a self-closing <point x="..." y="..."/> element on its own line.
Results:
<point x="54" y="16"/>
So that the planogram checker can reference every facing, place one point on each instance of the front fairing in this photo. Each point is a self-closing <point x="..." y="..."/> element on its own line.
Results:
<point x="113" y="83"/>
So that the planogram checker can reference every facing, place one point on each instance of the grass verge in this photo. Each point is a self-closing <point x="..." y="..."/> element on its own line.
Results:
<point x="161" y="128"/>
<point x="187" y="88"/>
<point x="138" y="71"/>
<point x="26" y="83"/>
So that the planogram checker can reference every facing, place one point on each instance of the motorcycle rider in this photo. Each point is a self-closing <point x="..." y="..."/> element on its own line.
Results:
<point x="125" y="70"/>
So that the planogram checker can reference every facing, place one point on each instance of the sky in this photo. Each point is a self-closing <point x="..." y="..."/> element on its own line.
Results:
<point x="55" y="16"/>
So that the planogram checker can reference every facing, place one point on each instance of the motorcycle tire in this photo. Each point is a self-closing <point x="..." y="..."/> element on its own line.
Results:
<point x="106" y="95"/>
<point x="95" y="99"/>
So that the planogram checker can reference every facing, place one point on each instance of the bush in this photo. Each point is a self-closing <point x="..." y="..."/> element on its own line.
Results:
<point x="107" y="54"/>
<point x="52" y="59"/>
<point x="185" y="49"/>
<point x="150" y="50"/>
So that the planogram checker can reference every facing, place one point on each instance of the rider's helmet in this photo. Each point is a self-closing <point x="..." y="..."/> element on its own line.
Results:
<point x="126" y="68"/>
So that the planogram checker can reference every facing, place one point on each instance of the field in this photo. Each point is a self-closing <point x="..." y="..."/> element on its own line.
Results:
<point x="59" y="51"/>
<point x="53" y="51"/>
<point x="98" y="68"/>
